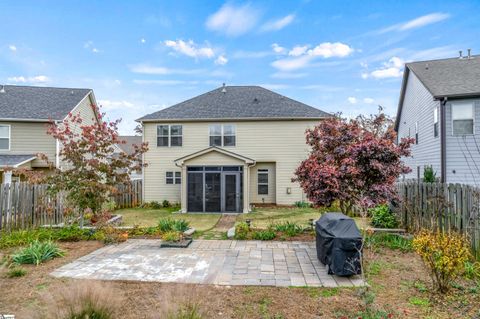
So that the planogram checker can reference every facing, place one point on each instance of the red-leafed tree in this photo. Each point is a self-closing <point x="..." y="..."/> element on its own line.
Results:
<point x="356" y="162"/>
<point x="91" y="165"/>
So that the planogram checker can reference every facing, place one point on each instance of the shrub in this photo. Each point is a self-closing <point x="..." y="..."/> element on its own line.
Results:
<point x="241" y="231"/>
<point x="383" y="217"/>
<point x="16" y="272"/>
<point x="429" y="175"/>
<point x="263" y="234"/>
<point x="444" y="254"/>
<point x="109" y="206"/>
<point x="165" y="224"/>
<point x="152" y="205"/>
<point x="180" y="225"/>
<point x="37" y="252"/>
<point x="71" y="233"/>
<point x="288" y="228"/>
<point x="302" y="204"/>
<point x="165" y="203"/>
<point x="172" y="236"/>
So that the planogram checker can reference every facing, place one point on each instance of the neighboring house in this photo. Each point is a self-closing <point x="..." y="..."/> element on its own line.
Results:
<point x="25" y="112"/>
<point x="440" y="107"/>
<point x="129" y="149"/>
<point x="227" y="149"/>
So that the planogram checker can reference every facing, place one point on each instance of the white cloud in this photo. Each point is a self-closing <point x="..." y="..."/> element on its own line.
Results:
<point x="298" y="50"/>
<point x="90" y="46"/>
<point x="328" y="50"/>
<point x="393" y="68"/>
<point x="12" y="48"/>
<point x="109" y="104"/>
<point x="302" y="56"/>
<point x="278" y="49"/>
<point x="368" y="100"/>
<point x="159" y="70"/>
<point x="278" y="24"/>
<point x="143" y="41"/>
<point x="221" y="60"/>
<point x="417" y="22"/>
<point x="189" y="48"/>
<point x="251" y="54"/>
<point x="233" y="20"/>
<point x="39" y="79"/>
<point x="352" y="100"/>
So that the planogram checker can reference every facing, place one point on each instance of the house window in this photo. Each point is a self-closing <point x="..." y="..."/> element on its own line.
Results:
<point x="435" y="121"/>
<point x="222" y="135"/>
<point x="4" y="137"/>
<point x="416" y="132"/>
<point x="173" y="177"/>
<point x="462" y="118"/>
<point x="262" y="181"/>
<point x="169" y="135"/>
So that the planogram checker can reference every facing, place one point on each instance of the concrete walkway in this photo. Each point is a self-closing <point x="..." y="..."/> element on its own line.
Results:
<point x="220" y="262"/>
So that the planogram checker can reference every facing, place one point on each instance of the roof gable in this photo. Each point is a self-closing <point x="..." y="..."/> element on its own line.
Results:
<point x="39" y="103"/>
<point x="211" y="149"/>
<point x="237" y="102"/>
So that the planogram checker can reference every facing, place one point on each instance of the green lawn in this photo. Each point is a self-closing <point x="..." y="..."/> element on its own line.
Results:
<point x="150" y="217"/>
<point x="261" y="217"/>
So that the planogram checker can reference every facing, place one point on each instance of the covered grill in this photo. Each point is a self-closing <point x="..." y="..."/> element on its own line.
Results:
<point x="339" y="244"/>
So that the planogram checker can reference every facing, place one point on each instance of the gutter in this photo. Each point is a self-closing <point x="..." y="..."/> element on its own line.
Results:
<point x="443" y="141"/>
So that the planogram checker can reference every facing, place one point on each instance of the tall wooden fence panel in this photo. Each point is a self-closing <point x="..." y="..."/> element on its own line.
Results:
<point x="438" y="206"/>
<point x="24" y="206"/>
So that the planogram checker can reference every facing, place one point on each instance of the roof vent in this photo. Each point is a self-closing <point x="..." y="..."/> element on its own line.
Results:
<point x="224" y="89"/>
<point x="255" y="100"/>
<point x="469" y="53"/>
<point x="460" y="54"/>
<point x="426" y="66"/>
<point x="2" y="90"/>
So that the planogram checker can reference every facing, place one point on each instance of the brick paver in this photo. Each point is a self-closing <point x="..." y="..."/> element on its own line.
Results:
<point x="220" y="262"/>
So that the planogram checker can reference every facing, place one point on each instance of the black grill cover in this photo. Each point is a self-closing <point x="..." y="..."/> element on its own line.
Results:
<point x="339" y="243"/>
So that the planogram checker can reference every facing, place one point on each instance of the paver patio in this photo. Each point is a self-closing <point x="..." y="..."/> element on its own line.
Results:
<point x="220" y="262"/>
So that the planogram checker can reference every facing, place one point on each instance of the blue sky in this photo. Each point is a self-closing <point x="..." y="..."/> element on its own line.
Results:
<point x="140" y="57"/>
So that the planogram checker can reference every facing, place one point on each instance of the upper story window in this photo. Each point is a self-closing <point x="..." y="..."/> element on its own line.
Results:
<point x="416" y="132"/>
<point x="462" y="118"/>
<point x="262" y="182"/>
<point x="222" y="135"/>
<point x="169" y="135"/>
<point x="435" y="121"/>
<point x="4" y="137"/>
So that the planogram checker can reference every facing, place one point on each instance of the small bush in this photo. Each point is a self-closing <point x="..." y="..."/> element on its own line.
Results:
<point x="151" y="205"/>
<point x="166" y="203"/>
<point x="165" y="224"/>
<point x="109" y="206"/>
<point x="172" y="236"/>
<point x="383" y="217"/>
<point x="429" y="175"/>
<point x="241" y="231"/>
<point x="263" y="235"/>
<point x="16" y="272"/>
<point x="444" y="254"/>
<point x="37" y="252"/>
<point x="180" y="225"/>
<point x="302" y="204"/>
<point x="472" y="270"/>
<point x="288" y="228"/>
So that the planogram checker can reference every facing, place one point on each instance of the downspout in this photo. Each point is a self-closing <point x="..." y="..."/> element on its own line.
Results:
<point x="443" y="141"/>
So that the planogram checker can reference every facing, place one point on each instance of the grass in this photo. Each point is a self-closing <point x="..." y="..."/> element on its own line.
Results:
<point x="16" y="272"/>
<point x="150" y="217"/>
<point x="262" y="217"/>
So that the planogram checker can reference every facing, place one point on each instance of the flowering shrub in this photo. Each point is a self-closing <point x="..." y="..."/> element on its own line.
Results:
<point x="444" y="254"/>
<point x="356" y="162"/>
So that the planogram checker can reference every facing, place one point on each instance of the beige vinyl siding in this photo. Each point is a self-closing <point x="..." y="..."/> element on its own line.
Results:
<point x="280" y="142"/>
<point x="30" y="138"/>
<point x="270" y="198"/>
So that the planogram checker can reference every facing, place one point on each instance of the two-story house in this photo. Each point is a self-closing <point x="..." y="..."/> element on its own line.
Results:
<point x="439" y="106"/>
<point x="227" y="149"/>
<point x="25" y="112"/>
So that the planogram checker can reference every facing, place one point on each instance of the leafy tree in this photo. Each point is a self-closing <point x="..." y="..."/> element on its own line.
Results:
<point x="356" y="162"/>
<point x="91" y="165"/>
<point x="429" y="175"/>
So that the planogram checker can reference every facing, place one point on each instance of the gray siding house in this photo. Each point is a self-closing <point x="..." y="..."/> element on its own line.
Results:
<point x="439" y="106"/>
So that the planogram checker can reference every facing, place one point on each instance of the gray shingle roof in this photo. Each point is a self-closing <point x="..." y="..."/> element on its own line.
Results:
<point x="130" y="139"/>
<point x="238" y="102"/>
<point x="12" y="160"/>
<point x="34" y="103"/>
<point x="449" y="77"/>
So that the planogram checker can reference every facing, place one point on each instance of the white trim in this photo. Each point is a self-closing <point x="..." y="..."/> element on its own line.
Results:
<point x="180" y="161"/>
<point x="9" y="138"/>
<point x="263" y="171"/>
<point x="81" y="101"/>
<point x="24" y="162"/>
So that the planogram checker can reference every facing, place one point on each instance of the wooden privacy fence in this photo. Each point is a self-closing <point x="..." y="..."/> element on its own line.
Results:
<point x="24" y="206"/>
<point x="438" y="206"/>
